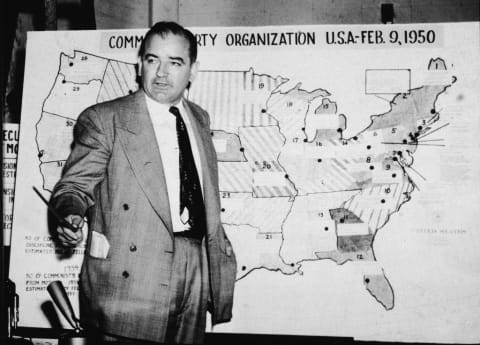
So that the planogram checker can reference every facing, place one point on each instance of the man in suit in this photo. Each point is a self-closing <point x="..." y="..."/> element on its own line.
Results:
<point x="143" y="171"/>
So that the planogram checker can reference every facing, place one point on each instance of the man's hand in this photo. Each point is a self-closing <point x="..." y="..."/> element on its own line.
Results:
<point x="67" y="237"/>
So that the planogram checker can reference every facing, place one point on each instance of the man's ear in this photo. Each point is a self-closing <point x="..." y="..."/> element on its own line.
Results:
<point x="139" y="66"/>
<point x="193" y="71"/>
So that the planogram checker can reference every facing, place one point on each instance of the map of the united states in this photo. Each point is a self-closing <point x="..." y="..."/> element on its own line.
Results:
<point x="293" y="187"/>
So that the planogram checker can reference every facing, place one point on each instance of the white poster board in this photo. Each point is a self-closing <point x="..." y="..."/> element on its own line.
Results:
<point x="348" y="161"/>
<point x="10" y="134"/>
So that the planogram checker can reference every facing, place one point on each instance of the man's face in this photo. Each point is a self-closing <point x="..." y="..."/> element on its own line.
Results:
<point x="165" y="68"/>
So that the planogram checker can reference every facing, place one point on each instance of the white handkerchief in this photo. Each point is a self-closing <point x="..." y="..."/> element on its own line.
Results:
<point x="99" y="246"/>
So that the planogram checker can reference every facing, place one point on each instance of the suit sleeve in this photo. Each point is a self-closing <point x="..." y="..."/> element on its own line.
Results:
<point x="85" y="166"/>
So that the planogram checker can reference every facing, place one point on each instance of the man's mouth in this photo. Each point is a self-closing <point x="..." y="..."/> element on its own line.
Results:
<point x="161" y="84"/>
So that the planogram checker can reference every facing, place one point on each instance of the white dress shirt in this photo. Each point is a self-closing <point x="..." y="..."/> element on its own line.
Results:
<point x="164" y="126"/>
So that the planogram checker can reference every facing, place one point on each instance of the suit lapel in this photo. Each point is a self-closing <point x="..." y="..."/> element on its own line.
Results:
<point x="137" y="136"/>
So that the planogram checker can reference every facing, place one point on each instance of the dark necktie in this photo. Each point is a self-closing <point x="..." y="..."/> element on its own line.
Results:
<point x="191" y="200"/>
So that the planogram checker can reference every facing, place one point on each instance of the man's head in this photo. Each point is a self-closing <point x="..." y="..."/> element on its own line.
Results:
<point x="167" y="62"/>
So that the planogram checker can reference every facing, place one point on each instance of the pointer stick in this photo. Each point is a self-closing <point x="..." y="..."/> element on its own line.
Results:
<point x="62" y="222"/>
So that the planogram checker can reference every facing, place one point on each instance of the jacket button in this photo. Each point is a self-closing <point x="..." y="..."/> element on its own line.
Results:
<point x="133" y="247"/>
<point x="125" y="274"/>
<point x="125" y="207"/>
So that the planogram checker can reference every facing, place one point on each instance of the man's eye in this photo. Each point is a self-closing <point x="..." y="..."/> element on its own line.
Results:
<point x="151" y="60"/>
<point x="176" y="63"/>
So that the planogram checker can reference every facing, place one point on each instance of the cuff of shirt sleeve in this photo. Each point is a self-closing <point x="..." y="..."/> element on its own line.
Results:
<point x="69" y="204"/>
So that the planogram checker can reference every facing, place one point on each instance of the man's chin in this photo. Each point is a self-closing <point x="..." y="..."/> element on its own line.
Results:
<point x="160" y="97"/>
<point x="163" y="97"/>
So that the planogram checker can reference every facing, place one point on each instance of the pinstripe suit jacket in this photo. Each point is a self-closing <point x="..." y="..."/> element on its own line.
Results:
<point x="114" y="175"/>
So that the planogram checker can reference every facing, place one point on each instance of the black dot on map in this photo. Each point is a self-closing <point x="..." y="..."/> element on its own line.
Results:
<point x="326" y="228"/>
<point x="130" y="92"/>
<point x="399" y="153"/>
<point x="286" y="176"/>
<point x="342" y="220"/>
<point x="383" y="201"/>
<point x="372" y="167"/>
<point x="367" y="280"/>
<point x="339" y="130"/>
<point x="405" y="141"/>
<point x="355" y="138"/>
<point x="264" y="110"/>
<point x="63" y="81"/>
<point x="71" y="64"/>
<point x="432" y="111"/>
<point x="319" y="160"/>
<point x="244" y="268"/>
<point x="242" y="149"/>
<point x="223" y="210"/>
<point x="394" y="175"/>
<point x="292" y="264"/>
<point x="420" y="128"/>
<point x="40" y="154"/>
<point x="303" y="129"/>
<point x="305" y="140"/>
<point x="369" y="147"/>
<point x="395" y="159"/>
<point x="212" y="134"/>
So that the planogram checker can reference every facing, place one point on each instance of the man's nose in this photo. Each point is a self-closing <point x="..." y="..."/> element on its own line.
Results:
<point x="162" y="69"/>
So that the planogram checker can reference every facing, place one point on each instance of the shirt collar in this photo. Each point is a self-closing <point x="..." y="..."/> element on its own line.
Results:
<point x="160" y="108"/>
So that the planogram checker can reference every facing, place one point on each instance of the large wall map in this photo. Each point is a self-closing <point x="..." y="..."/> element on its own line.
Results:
<point x="298" y="185"/>
<point x="281" y="162"/>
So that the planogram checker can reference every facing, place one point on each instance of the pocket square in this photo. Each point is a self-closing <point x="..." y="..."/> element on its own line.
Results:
<point x="99" y="246"/>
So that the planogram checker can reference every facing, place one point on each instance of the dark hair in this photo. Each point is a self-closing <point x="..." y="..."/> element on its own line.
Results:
<point x="166" y="28"/>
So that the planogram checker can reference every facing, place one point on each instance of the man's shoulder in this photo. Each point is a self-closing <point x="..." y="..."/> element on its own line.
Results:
<point x="106" y="114"/>
<point x="198" y="111"/>
<point x="195" y="107"/>
<point x="123" y="102"/>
